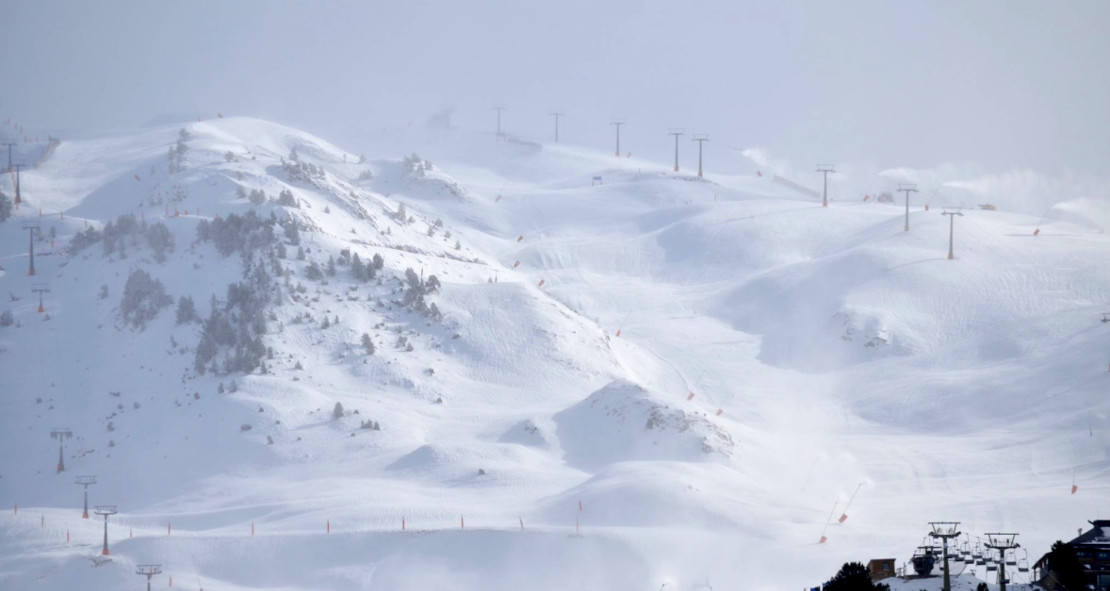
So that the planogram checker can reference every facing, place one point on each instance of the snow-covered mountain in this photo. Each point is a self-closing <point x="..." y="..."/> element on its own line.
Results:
<point x="651" y="379"/>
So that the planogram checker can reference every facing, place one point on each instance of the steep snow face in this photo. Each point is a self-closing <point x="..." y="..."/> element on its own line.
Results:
<point x="473" y="365"/>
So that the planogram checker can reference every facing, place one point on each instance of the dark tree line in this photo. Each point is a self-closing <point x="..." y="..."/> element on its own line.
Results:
<point x="124" y="234"/>
<point x="246" y="233"/>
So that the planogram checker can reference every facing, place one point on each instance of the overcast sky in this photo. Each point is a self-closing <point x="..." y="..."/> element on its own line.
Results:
<point x="1004" y="85"/>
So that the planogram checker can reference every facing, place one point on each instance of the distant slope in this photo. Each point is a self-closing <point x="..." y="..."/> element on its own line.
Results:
<point x="655" y="380"/>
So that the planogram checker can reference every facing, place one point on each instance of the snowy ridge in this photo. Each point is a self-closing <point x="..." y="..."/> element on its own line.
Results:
<point x="657" y="379"/>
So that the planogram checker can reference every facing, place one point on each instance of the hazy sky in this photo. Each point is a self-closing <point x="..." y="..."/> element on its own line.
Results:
<point x="1012" y="84"/>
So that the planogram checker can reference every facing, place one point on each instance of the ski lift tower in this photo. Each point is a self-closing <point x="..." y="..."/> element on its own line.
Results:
<point x="618" y="123"/>
<point x="700" y="138"/>
<point x="1002" y="542"/>
<point x="951" y="226"/>
<point x="945" y="530"/>
<point x="86" y="481"/>
<point x="556" y="115"/>
<point x="499" y="109"/>
<point x="9" y="144"/>
<point x="61" y="435"/>
<point x="148" y="570"/>
<point x="677" y="133"/>
<point x="825" y="170"/>
<point x="907" y="188"/>
<point x="105" y="510"/>
<point x="40" y="288"/>
<point x="32" y="229"/>
<point x="18" y="198"/>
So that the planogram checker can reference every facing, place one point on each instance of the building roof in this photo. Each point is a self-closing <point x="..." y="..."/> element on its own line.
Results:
<point x="1099" y="534"/>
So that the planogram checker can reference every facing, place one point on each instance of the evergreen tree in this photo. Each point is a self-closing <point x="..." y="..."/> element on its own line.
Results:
<point x="853" y="576"/>
<point x="1065" y="567"/>
<point x="143" y="297"/>
<point x="186" y="310"/>
<point x="5" y="207"/>
<point x="357" y="268"/>
<point x="160" y="240"/>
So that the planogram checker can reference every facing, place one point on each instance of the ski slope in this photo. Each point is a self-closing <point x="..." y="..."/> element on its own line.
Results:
<point x="659" y="379"/>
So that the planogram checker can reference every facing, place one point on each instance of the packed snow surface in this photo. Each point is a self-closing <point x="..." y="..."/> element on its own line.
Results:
<point x="650" y="380"/>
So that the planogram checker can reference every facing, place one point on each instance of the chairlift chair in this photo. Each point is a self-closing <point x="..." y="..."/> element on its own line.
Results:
<point x="992" y="567"/>
<point x="1023" y="564"/>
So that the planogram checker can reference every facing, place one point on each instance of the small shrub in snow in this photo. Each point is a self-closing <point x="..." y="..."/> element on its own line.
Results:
<point x="6" y="318"/>
<point x="337" y="412"/>
<point x="103" y="292"/>
<point x="367" y="344"/>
